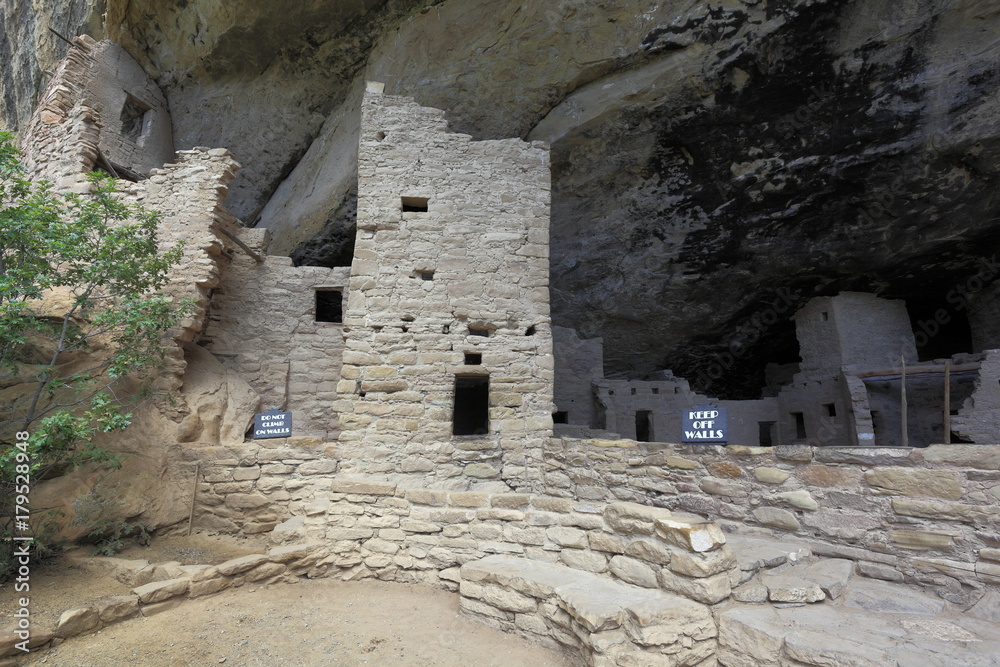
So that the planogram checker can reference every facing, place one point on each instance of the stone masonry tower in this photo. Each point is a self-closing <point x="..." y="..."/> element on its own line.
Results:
<point x="448" y="367"/>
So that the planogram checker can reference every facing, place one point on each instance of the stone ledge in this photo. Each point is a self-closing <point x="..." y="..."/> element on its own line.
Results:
<point x="610" y="622"/>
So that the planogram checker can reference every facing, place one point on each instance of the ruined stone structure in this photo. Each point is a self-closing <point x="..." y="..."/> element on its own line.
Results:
<point x="278" y="326"/>
<point x="99" y="97"/>
<point x="421" y="380"/>
<point x="448" y="365"/>
<point x="846" y="390"/>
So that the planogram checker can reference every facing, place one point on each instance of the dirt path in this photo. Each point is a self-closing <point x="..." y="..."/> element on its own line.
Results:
<point x="314" y="622"/>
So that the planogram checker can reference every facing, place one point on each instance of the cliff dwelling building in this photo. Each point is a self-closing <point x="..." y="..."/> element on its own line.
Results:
<point x="444" y="432"/>
<point x="433" y="352"/>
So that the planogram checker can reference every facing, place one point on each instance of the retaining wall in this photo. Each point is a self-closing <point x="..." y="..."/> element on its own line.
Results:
<point x="926" y="516"/>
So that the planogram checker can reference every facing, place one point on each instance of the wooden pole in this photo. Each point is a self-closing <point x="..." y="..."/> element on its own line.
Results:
<point x="947" y="402"/>
<point x="243" y="246"/>
<point x="194" y="496"/>
<point x="906" y="439"/>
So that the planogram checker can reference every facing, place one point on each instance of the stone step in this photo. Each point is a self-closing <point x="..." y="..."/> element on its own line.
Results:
<point x="764" y="636"/>
<point x="817" y="581"/>
<point x="609" y="622"/>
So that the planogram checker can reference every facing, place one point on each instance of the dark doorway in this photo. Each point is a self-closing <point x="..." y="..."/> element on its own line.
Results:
<point x="560" y="417"/>
<point x="133" y="117"/>
<point x="643" y="426"/>
<point x="472" y="405"/>
<point x="329" y="306"/>
<point x="766" y="433"/>
<point x="800" y="425"/>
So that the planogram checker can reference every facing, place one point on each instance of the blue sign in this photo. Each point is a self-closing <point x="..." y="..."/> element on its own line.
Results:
<point x="705" y="424"/>
<point x="272" y="424"/>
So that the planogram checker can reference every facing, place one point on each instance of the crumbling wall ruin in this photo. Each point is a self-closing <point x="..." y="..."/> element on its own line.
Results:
<point x="100" y="110"/>
<point x="847" y="390"/>
<point x="448" y="366"/>
<point x="265" y="326"/>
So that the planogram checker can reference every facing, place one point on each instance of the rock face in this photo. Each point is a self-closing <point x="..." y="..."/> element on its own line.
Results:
<point x="709" y="161"/>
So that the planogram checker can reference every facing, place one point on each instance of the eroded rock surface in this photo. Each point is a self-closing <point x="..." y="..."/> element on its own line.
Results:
<point x="714" y="166"/>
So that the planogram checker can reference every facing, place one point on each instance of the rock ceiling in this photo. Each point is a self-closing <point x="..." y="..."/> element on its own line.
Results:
<point x="715" y="164"/>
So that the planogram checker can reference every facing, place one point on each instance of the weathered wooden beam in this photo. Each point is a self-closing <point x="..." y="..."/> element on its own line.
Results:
<point x="235" y="239"/>
<point x="916" y="370"/>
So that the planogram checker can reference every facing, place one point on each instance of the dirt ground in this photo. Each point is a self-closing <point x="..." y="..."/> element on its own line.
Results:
<point x="313" y="622"/>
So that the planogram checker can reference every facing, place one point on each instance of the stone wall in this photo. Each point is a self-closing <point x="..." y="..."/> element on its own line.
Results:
<point x="925" y="516"/>
<point x="449" y="284"/>
<point x="250" y="487"/>
<point x="263" y="325"/>
<point x="95" y="94"/>
<point x="60" y="142"/>
<point x="377" y="529"/>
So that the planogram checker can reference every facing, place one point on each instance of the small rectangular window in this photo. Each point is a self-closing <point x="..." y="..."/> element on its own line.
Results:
<point x="473" y="359"/>
<point x="472" y="405"/>
<point x="329" y="306"/>
<point x="133" y="118"/>
<point x="426" y="275"/>
<point x="656" y="390"/>
<point x="415" y="204"/>
<point x="831" y="409"/>
<point x="479" y="331"/>
<point x="560" y="417"/>
<point x="800" y="425"/>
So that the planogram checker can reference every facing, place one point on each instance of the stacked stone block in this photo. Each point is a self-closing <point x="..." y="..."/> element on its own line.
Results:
<point x="608" y="623"/>
<point x="924" y="516"/>
<point x="249" y="488"/>
<point x="377" y="529"/>
<point x="457" y="290"/>
<point x="263" y="325"/>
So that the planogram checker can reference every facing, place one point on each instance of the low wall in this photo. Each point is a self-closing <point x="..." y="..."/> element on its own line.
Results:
<point x="422" y="535"/>
<point x="926" y="516"/>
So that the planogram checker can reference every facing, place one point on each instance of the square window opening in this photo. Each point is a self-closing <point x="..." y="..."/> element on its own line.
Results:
<point x="824" y="316"/>
<point x="426" y="275"/>
<point x="479" y="331"/>
<point x="530" y="331"/>
<point x="473" y="359"/>
<point x="800" y="425"/>
<point x="656" y="390"/>
<point x="472" y="405"/>
<point x="329" y="306"/>
<point x="133" y="118"/>
<point x="415" y="204"/>
<point x="560" y="417"/>
<point x="831" y="409"/>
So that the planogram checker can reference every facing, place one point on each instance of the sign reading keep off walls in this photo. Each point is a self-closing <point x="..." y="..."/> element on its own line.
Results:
<point x="705" y="424"/>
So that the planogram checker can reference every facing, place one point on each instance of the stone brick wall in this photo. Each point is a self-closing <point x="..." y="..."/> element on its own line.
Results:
<point x="80" y="113"/>
<point x="252" y="486"/>
<point x="263" y="326"/>
<point x="423" y="283"/>
<point x="926" y="516"/>
<point x="377" y="529"/>
<point x="190" y="193"/>
<point x="60" y="142"/>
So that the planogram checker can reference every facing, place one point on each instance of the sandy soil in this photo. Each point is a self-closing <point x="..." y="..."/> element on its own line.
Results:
<point x="313" y="622"/>
<point x="57" y="584"/>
